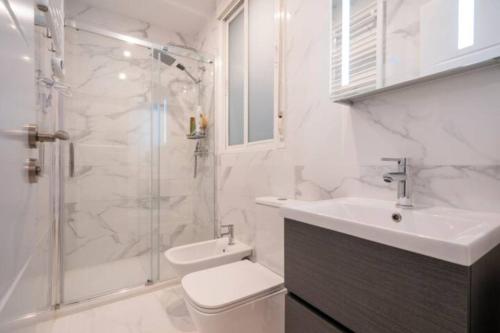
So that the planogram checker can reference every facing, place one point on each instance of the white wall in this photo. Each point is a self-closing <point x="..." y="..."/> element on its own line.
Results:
<point x="449" y="128"/>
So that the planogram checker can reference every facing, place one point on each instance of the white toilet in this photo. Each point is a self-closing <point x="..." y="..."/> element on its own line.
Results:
<point x="244" y="297"/>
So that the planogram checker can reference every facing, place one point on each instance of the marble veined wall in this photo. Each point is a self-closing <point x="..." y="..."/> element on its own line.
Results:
<point x="125" y="151"/>
<point x="448" y="127"/>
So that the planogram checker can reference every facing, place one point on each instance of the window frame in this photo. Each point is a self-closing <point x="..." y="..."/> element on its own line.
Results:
<point x="232" y="11"/>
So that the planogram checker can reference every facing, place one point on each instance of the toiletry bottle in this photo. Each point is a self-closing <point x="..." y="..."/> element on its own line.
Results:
<point x="192" y="125"/>
<point x="203" y="123"/>
<point x="198" y="119"/>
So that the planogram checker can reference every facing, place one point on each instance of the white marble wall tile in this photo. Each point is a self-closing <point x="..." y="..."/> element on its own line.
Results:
<point x="461" y="186"/>
<point x="446" y="122"/>
<point x="238" y="210"/>
<point x="447" y="128"/>
<point x="105" y="19"/>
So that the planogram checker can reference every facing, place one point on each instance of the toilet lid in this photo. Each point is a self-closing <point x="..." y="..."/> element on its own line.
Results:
<point x="223" y="286"/>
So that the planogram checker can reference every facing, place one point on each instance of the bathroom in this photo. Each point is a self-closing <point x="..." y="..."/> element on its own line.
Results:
<point x="250" y="166"/>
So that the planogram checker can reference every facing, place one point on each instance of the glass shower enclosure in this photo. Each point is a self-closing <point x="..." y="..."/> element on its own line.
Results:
<point x="134" y="183"/>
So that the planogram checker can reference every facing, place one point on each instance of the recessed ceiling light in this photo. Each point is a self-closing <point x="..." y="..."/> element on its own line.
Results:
<point x="122" y="76"/>
<point x="25" y="58"/>
<point x="12" y="26"/>
<point x="127" y="54"/>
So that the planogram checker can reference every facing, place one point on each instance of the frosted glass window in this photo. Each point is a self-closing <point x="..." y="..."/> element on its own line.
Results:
<point x="261" y="70"/>
<point x="236" y="50"/>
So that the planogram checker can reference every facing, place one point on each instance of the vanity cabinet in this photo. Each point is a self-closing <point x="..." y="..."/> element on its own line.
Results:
<point x="302" y="318"/>
<point x="363" y="286"/>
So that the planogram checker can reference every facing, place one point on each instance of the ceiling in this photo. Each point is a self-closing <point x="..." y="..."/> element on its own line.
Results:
<point x="184" y="16"/>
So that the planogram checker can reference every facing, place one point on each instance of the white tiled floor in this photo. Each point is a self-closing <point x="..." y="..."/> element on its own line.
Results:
<point x="161" y="311"/>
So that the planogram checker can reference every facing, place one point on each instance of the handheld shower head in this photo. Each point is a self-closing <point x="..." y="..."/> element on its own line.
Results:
<point x="191" y="76"/>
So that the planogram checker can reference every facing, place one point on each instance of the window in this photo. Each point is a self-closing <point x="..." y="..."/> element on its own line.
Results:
<point x="236" y="79"/>
<point x="252" y="38"/>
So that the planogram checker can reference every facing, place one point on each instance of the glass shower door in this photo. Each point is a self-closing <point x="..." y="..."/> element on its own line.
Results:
<point x="184" y="165"/>
<point x="106" y="232"/>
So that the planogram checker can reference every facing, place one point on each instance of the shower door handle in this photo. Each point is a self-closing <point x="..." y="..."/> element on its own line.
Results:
<point x="71" y="160"/>
<point x="34" y="136"/>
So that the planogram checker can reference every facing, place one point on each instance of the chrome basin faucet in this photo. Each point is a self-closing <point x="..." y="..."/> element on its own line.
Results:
<point x="229" y="233"/>
<point x="401" y="176"/>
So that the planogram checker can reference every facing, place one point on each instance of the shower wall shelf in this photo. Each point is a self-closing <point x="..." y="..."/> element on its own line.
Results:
<point x="196" y="136"/>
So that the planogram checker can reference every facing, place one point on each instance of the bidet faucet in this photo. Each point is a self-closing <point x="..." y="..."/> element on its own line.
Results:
<point x="401" y="176"/>
<point x="229" y="233"/>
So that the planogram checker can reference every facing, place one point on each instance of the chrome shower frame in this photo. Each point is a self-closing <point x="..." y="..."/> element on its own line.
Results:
<point x="174" y="49"/>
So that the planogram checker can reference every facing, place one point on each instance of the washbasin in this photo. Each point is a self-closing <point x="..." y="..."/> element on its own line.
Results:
<point x="202" y="255"/>
<point x="453" y="235"/>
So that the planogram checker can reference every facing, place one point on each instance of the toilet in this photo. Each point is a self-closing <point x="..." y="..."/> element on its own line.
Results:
<point x="244" y="296"/>
<point x="241" y="297"/>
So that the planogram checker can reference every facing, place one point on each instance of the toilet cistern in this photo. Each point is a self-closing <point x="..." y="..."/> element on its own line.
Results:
<point x="229" y="232"/>
<point x="402" y="177"/>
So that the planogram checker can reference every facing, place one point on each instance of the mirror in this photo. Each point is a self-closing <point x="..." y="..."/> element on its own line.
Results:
<point x="381" y="44"/>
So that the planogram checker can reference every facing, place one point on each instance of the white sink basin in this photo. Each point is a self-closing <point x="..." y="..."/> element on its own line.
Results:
<point x="198" y="256"/>
<point x="453" y="235"/>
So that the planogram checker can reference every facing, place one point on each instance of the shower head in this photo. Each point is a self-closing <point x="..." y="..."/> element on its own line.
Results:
<point x="169" y="61"/>
<point x="164" y="57"/>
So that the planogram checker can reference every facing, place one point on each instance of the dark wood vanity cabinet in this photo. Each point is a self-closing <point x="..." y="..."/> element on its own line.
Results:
<point x="302" y="318"/>
<point x="340" y="283"/>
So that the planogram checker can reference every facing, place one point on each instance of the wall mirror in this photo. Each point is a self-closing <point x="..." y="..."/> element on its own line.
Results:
<point x="378" y="45"/>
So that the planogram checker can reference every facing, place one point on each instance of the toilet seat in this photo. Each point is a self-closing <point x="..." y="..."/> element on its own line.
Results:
<point x="224" y="287"/>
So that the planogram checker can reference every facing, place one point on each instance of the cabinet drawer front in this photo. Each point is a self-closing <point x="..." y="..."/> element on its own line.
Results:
<point x="369" y="287"/>
<point x="300" y="319"/>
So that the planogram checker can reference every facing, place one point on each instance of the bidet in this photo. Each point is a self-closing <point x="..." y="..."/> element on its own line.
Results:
<point x="199" y="256"/>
